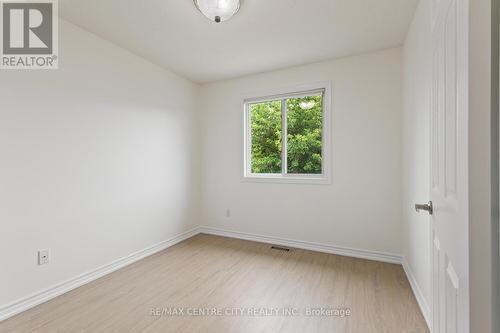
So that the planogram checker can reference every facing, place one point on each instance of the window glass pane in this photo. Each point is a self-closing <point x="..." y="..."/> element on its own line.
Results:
<point x="304" y="137"/>
<point x="265" y="119"/>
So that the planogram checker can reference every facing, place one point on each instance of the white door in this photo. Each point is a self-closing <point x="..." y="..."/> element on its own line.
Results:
<point x="449" y="160"/>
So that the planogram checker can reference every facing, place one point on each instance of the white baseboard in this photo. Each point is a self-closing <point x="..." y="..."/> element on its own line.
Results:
<point x="422" y="303"/>
<point x="319" y="247"/>
<point x="61" y="288"/>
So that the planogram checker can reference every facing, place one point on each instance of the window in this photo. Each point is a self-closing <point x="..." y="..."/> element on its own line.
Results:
<point x="286" y="137"/>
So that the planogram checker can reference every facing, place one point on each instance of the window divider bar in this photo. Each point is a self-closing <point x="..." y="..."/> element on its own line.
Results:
<point x="284" y="135"/>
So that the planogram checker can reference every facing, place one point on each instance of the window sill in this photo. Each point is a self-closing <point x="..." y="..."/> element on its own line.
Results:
<point x="279" y="179"/>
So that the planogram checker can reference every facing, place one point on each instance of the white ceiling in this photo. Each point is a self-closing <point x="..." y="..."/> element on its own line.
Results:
<point x="264" y="35"/>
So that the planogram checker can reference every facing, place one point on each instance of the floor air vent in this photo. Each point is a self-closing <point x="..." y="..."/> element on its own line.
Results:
<point x="279" y="248"/>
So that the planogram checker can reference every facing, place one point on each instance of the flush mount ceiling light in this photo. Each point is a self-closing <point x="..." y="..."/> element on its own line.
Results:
<point x="218" y="10"/>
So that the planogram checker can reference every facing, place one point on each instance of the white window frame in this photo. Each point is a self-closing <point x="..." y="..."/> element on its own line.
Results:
<point x="281" y="94"/>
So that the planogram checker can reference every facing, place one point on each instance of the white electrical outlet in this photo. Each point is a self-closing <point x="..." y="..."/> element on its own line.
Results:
<point x="43" y="257"/>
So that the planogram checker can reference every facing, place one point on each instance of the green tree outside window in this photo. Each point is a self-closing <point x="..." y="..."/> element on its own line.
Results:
<point x="304" y="135"/>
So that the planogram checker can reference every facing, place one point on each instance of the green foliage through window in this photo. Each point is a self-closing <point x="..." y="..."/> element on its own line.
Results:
<point x="304" y="129"/>
<point x="266" y="137"/>
<point x="304" y="135"/>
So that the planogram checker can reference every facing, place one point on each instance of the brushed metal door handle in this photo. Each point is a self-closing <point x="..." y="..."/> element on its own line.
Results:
<point x="427" y="207"/>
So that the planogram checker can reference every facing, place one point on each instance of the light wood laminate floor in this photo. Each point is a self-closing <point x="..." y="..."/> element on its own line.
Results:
<point x="229" y="276"/>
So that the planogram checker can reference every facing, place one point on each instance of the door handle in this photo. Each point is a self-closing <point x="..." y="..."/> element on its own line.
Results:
<point x="427" y="207"/>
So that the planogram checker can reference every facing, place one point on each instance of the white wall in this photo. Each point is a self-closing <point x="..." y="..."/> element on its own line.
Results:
<point x="417" y="73"/>
<point x="98" y="161"/>
<point x="362" y="206"/>
<point x="480" y="188"/>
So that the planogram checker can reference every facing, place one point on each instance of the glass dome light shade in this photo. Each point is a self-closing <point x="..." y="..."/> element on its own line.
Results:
<point x="218" y="10"/>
